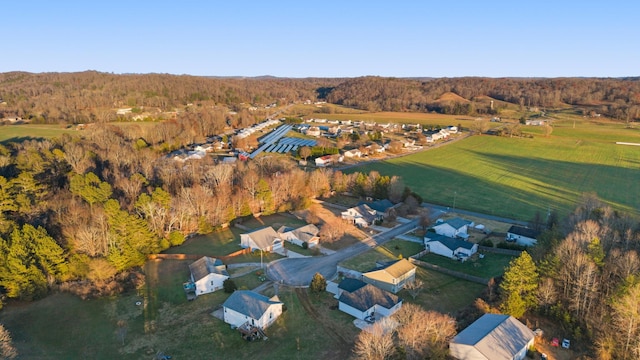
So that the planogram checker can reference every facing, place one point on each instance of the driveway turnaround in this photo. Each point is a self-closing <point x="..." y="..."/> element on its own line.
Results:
<point x="300" y="271"/>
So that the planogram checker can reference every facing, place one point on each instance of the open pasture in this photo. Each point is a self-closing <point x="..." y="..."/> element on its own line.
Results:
<point x="515" y="177"/>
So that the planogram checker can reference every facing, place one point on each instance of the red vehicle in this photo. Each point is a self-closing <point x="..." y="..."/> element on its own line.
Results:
<point x="555" y="342"/>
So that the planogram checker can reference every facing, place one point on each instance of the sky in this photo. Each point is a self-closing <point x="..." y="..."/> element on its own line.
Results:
<point x="348" y="38"/>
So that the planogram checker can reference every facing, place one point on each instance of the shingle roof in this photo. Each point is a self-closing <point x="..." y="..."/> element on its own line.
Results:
<point x="450" y="243"/>
<point x="379" y="205"/>
<point x="263" y="237"/>
<point x="306" y="233"/>
<point x="496" y="336"/>
<point x="205" y="266"/>
<point x="249" y="303"/>
<point x="351" y="285"/>
<point x="457" y="222"/>
<point x="523" y="231"/>
<point x="393" y="270"/>
<point x="367" y="296"/>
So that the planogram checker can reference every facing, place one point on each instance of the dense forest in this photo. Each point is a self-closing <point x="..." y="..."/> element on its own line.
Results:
<point x="92" y="96"/>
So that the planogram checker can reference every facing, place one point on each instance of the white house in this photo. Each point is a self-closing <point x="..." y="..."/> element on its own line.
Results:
<point x="304" y="234"/>
<point x="324" y="161"/>
<point x="363" y="300"/>
<point x="361" y="215"/>
<point x="313" y="131"/>
<point x="522" y="235"/>
<point x="391" y="276"/>
<point x="452" y="129"/>
<point x="265" y="239"/>
<point x="492" y="337"/>
<point x="455" y="227"/>
<point x="245" y="306"/>
<point x="449" y="247"/>
<point x="208" y="274"/>
<point x="352" y="153"/>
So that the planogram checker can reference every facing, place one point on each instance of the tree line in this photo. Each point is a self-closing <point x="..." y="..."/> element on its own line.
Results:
<point x="91" y="207"/>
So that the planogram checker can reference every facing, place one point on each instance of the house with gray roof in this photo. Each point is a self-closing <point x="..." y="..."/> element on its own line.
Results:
<point x="361" y="215"/>
<point x="365" y="301"/>
<point x="305" y="234"/>
<point x="449" y="247"/>
<point x="265" y="239"/>
<point x="522" y="235"/>
<point x="208" y="275"/>
<point x="248" y="307"/>
<point x="455" y="227"/>
<point x="492" y="337"/>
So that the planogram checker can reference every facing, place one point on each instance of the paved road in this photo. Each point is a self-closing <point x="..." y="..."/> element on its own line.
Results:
<point x="299" y="272"/>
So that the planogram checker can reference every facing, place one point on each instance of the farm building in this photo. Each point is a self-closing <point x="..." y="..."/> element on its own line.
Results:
<point x="449" y="247"/>
<point x="391" y="276"/>
<point x="305" y="234"/>
<point x="492" y="337"/>
<point x="365" y="301"/>
<point x="265" y="239"/>
<point x="208" y="274"/>
<point x="522" y="235"/>
<point x="245" y="306"/>
<point x="455" y="227"/>
<point x="324" y="161"/>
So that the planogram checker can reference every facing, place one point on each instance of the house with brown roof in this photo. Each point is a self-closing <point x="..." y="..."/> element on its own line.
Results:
<point x="265" y="239"/>
<point x="391" y="276"/>
<point x="492" y="337"/>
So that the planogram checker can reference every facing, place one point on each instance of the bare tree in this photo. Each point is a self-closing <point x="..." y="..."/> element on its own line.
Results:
<point x="424" y="334"/>
<point x="7" y="350"/>
<point x="414" y="287"/>
<point x="305" y="152"/>
<point x="375" y="343"/>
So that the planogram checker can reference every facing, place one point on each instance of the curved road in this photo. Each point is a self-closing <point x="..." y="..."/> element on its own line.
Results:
<point x="300" y="271"/>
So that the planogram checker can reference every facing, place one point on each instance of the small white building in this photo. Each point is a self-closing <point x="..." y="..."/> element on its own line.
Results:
<point x="265" y="239"/>
<point x="362" y="300"/>
<point x="455" y="227"/>
<point x="449" y="247"/>
<point x="208" y="274"/>
<point x="352" y="153"/>
<point x="324" y="161"/>
<point x="492" y="337"/>
<point x="522" y="235"/>
<point x="245" y="306"/>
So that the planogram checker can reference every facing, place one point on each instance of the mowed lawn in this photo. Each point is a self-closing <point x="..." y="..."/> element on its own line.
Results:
<point x="32" y="132"/>
<point x="515" y="177"/>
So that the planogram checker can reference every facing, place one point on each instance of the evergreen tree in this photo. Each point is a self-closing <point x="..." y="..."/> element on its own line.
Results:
<point x="318" y="283"/>
<point x="519" y="285"/>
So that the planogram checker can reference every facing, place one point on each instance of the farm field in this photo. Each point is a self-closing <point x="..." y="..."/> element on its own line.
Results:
<point x="515" y="177"/>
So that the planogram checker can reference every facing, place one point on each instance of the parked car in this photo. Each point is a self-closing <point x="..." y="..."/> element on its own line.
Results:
<point x="555" y="342"/>
<point x="543" y="356"/>
<point x="566" y="343"/>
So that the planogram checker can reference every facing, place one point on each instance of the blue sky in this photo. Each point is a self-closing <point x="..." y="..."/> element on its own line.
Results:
<point x="324" y="39"/>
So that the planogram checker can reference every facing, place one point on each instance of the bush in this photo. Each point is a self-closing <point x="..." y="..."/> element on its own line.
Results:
<point x="318" y="283"/>
<point x="509" y="246"/>
<point x="486" y="242"/>
<point x="229" y="286"/>
<point x="305" y="245"/>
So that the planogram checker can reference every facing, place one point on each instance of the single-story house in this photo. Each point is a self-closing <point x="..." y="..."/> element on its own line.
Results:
<point x="522" y="235"/>
<point x="391" y="276"/>
<point x="492" y="337"/>
<point x="265" y="239"/>
<point x="363" y="300"/>
<point x="352" y="153"/>
<point x="382" y="207"/>
<point x="361" y="215"/>
<point x="324" y="161"/>
<point x="313" y="131"/>
<point x="304" y="234"/>
<point x="455" y="227"/>
<point x="449" y="247"/>
<point x="208" y="274"/>
<point x="245" y="306"/>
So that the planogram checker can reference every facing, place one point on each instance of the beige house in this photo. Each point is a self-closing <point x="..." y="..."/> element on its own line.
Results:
<point x="305" y="234"/>
<point x="265" y="239"/>
<point x="392" y="276"/>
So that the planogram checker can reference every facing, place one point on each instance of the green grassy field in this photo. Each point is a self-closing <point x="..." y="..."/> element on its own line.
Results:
<point x="515" y="177"/>
<point x="492" y="265"/>
<point x="10" y="133"/>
